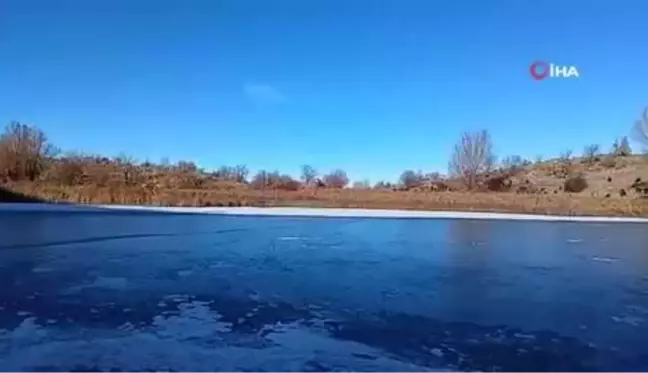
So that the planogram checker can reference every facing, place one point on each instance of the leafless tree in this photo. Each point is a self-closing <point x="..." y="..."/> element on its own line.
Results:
<point x="238" y="173"/>
<point x="411" y="178"/>
<point x="187" y="166"/>
<point x="434" y="176"/>
<point x="621" y="148"/>
<point x="514" y="162"/>
<point x="128" y="166"/>
<point x="590" y="152"/>
<point x="363" y="184"/>
<point x="383" y="185"/>
<point x="264" y="179"/>
<point x="566" y="156"/>
<point x="274" y="180"/>
<point x="308" y="174"/>
<point x="124" y="159"/>
<point x="472" y="156"/>
<point x="24" y="152"/>
<point x="336" y="179"/>
<point x="641" y="130"/>
<point x="241" y="173"/>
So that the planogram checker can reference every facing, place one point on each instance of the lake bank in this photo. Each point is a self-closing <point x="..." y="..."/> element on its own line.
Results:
<point x="310" y="212"/>
<point x="511" y="203"/>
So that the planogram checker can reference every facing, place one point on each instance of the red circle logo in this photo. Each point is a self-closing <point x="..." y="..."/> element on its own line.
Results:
<point x="539" y="70"/>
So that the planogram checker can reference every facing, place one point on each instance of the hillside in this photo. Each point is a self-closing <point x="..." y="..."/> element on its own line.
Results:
<point x="605" y="176"/>
<point x="600" y="184"/>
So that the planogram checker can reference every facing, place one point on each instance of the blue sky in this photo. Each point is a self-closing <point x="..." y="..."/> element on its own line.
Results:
<point x="373" y="87"/>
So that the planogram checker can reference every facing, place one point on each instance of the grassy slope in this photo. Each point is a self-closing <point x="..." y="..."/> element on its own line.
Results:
<point x="622" y="171"/>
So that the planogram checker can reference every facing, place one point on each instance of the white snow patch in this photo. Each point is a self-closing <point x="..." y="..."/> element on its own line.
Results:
<point x="177" y="297"/>
<point x="604" y="260"/>
<point x="630" y="320"/>
<point x="289" y="238"/>
<point x="27" y="332"/>
<point x="306" y="212"/>
<point x="194" y="321"/>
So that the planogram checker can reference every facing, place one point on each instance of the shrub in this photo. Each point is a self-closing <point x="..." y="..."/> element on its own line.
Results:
<point x="575" y="184"/>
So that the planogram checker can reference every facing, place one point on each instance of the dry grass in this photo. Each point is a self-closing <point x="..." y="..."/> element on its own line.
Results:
<point x="29" y="165"/>
<point x="560" y="204"/>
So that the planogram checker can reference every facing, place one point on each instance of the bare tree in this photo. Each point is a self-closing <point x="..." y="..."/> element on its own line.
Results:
<point x="433" y="176"/>
<point x="127" y="165"/>
<point x="24" y="152"/>
<point x="336" y="179"/>
<point x="241" y="173"/>
<point x="237" y="173"/>
<point x="186" y="166"/>
<point x="621" y="148"/>
<point x="274" y="180"/>
<point x="591" y="152"/>
<point x="566" y="156"/>
<point x="308" y="174"/>
<point x="641" y="130"/>
<point x="124" y="159"/>
<point x="472" y="156"/>
<point x="363" y="184"/>
<point x="383" y="185"/>
<point x="514" y="162"/>
<point x="411" y="178"/>
<point x="264" y="179"/>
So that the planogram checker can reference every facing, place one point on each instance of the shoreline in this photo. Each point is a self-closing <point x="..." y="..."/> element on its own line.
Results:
<point x="311" y="212"/>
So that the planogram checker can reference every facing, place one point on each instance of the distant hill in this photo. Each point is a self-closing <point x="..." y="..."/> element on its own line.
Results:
<point x="605" y="176"/>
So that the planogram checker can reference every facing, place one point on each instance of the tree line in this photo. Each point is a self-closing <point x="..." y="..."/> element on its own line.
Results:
<point x="27" y="155"/>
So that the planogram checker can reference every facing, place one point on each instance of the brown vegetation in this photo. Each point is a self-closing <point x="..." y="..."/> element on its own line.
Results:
<point x="575" y="184"/>
<point x="595" y="184"/>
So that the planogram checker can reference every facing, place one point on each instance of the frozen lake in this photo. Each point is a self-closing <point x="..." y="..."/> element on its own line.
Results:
<point x="160" y="291"/>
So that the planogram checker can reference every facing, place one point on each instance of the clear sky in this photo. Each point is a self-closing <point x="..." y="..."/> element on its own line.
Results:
<point x="370" y="86"/>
